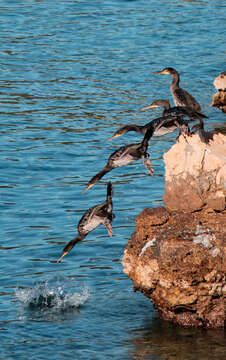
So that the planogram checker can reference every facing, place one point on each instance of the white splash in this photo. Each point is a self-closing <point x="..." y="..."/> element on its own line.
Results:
<point x="147" y="245"/>
<point x="55" y="294"/>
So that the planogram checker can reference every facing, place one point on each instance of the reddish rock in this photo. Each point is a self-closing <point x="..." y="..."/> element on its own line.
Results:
<point x="219" y="100"/>
<point x="178" y="260"/>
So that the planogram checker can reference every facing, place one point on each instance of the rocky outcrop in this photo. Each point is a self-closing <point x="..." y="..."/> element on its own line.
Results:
<point x="219" y="99"/>
<point x="177" y="255"/>
<point x="178" y="260"/>
<point x="195" y="173"/>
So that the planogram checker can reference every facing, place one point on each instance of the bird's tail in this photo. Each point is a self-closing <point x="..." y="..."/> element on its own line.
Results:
<point x="147" y="136"/>
<point x="200" y="115"/>
<point x="69" y="246"/>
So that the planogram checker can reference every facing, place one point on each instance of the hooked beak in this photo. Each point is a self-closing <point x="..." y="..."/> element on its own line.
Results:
<point x="113" y="137"/>
<point x="64" y="253"/>
<point x="88" y="187"/>
<point x="148" y="107"/>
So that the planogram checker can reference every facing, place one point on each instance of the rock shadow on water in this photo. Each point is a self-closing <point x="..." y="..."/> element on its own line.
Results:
<point x="164" y="341"/>
<point x="54" y="299"/>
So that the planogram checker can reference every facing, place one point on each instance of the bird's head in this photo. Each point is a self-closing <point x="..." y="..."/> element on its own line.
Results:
<point x="64" y="253"/>
<point x="167" y="71"/>
<point x="157" y="103"/>
<point x="88" y="187"/>
<point x="123" y="130"/>
<point x="117" y="134"/>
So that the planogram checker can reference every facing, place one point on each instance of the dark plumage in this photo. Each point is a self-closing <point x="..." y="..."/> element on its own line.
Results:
<point x="182" y="111"/>
<point x="181" y="97"/>
<point x="168" y="124"/>
<point x="125" y="155"/>
<point x="93" y="217"/>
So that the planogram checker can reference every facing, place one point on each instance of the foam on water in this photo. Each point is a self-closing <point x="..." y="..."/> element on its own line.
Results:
<point x="54" y="294"/>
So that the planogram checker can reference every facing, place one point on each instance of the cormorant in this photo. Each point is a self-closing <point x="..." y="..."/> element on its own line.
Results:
<point x="93" y="217"/>
<point x="182" y="111"/>
<point x="181" y="97"/>
<point x="169" y="124"/>
<point x="125" y="155"/>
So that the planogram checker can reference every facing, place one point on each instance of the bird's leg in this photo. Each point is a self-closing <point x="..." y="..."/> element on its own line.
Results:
<point x="108" y="226"/>
<point x="183" y="129"/>
<point x="147" y="163"/>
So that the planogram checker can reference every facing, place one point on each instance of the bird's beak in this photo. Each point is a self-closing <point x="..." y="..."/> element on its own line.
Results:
<point x="88" y="187"/>
<point x="113" y="137"/>
<point x="64" y="253"/>
<point x="148" y="107"/>
<point x="160" y="72"/>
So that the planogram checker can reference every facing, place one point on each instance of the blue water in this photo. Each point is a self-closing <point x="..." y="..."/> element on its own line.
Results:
<point x="72" y="72"/>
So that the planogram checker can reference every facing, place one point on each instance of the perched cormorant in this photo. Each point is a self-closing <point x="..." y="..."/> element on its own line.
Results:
<point x="181" y="97"/>
<point x="125" y="155"/>
<point x="182" y="111"/>
<point x="169" y="124"/>
<point x="99" y="214"/>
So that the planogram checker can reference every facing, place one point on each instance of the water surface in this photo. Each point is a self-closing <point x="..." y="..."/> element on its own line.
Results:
<point x="71" y="73"/>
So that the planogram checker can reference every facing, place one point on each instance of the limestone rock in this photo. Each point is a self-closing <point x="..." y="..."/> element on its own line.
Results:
<point x="195" y="173"/>
<point x="220" y="82"/>
<point x="178" y="260"/>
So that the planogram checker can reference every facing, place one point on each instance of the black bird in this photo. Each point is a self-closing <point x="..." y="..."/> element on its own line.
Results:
<point x="181" y="97"/>
<point x="169" y="124"/>
<point x="125" y="155"/>
<point x="182" y="111"/>
<point x="93" y="217"/>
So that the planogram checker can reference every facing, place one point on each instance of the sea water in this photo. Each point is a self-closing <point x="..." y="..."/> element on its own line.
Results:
<point x="71" y="73"/>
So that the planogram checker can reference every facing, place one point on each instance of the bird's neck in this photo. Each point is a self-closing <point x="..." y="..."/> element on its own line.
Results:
<point x="175" y="81"/>
<point x="134" y="127"/>
<point x="109" y="193"/>
<point x="147" y="136"/>
<point x="166" y="105"/>
<point x="79" y="237"/>
<point x="74" y="241"/>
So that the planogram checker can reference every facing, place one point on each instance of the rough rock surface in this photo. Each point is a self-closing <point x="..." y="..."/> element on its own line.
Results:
<point x="178" y="260"/>
<point x="177" y="255"/>
<point x="219" y="99"/>
<point x="220" y="82"/>
<point x="195" y="173"/>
